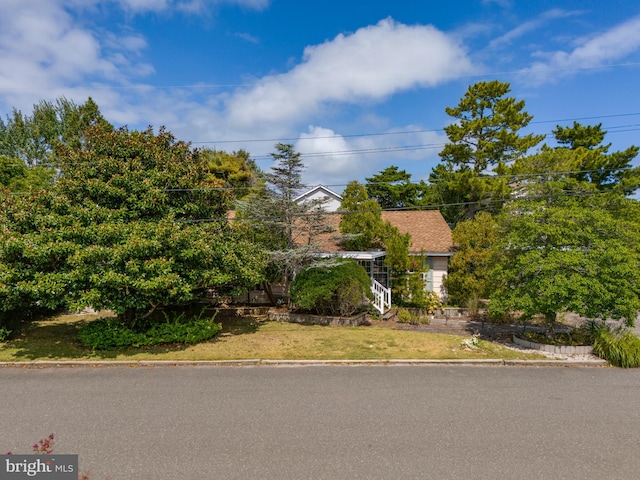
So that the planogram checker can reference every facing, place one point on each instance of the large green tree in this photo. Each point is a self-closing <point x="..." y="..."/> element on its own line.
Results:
<point x="469" y="267"/>
<point x="130" y="226"/>
<point x="572" y="255"/>
<point x="569" y="241"/>
<point x="34" y="138"/>
<point x="484" y="140"/>
<point x="361" y="224"/>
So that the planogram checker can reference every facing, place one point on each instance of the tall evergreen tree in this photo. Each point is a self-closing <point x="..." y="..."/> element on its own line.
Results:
<point x="274" y="217"/>
<point x="392" y="188"/>
<point x="607" y="171"/>
<point x="484" y="139"/>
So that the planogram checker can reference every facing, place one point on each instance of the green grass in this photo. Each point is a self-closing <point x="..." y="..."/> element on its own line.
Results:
<point x="55" y="339"/>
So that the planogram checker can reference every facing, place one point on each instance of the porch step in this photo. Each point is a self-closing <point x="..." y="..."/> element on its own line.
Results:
<point x="390" y="314"/>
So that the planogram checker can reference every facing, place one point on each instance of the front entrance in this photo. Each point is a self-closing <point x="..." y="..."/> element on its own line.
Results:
<point x="376" y="269"/>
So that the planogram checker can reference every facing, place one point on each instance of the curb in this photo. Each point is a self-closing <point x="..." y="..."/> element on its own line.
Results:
<point x="301" y="363"/>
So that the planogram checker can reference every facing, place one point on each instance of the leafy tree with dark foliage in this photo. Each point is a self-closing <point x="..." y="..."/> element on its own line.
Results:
<point x="130" y="226"/>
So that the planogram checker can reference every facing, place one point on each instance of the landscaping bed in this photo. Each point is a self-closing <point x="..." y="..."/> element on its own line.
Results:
<point x="553" y="348"/>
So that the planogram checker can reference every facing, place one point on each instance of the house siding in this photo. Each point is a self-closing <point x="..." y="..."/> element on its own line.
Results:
<point x="331" y="205"/>
<point x="440" y="266"/>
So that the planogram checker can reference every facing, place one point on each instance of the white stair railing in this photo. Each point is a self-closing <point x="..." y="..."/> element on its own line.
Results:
<point x="381" y="296"/>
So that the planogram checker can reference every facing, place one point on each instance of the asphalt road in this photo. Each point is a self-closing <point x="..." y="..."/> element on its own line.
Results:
<point x="322" y="422"/>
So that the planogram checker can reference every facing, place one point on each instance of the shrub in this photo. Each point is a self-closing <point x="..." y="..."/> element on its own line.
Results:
<point x="111" y="333"/>
<point x="409" y="291"/>
<point x="404" y="316"/>
<point x="414" y="316"/>
<point x="572" y="338"/>
<point x="4" y="333"/>
<point x="621" y="349"/>
<point x="336" y="288"/>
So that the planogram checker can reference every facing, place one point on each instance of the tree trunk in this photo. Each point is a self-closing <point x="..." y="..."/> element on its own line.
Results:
<point x="267" y="289"/>
<point x="128" y="317"/>
<point x="550" y="323"/>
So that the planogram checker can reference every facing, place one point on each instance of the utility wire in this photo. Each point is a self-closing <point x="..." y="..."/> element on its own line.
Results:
<point x="435" y="206"/>
<point x="400" y="132"/>
<point x="367" y="151"/>
<point x="403" y="183"/>
<point x="398" y="148"/>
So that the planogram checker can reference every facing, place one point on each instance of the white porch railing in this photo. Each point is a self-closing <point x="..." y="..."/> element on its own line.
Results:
<point x="381" y="296"/>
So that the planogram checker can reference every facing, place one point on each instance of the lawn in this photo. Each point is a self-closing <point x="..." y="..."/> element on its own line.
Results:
<point x="255" y="338"/>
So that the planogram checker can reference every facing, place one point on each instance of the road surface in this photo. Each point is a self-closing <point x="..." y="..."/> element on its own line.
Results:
<point x="330" y="422"/>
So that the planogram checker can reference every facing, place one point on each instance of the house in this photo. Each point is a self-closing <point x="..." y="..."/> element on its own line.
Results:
<point x="430" y="237"/>
<point x="331" y="199"/>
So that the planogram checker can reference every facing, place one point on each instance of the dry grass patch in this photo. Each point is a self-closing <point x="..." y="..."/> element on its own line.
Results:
<point x="250" y="338"/>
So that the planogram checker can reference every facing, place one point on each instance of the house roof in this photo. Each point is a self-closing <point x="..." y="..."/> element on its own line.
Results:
<point x="428" y="229"/>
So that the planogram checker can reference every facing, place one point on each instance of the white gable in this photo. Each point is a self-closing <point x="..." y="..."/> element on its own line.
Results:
<point x="320" y="192"/>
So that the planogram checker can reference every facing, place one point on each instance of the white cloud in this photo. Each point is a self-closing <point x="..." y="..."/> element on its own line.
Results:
<point x="188" y="6"/>
<point x="43" y="51"/>
<point x="248" y="37"/>
<point x="598" y="51"/>
<point x="327" y="157"/>
<point x="502" y="3"/>
<point x="530" y="26"/>
<point x="144" y="5"/>
<point x="370" y="64"/>
<point x="331" y="158"/>
<point x="46" y="51"/>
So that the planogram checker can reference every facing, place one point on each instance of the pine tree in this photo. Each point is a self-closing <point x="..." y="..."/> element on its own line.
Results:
<point x="483" y="141"/>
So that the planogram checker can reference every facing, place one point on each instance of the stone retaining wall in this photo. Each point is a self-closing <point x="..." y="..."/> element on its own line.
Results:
<point x="559" y="349"/>
<point x="233" y="312"/>
<point x="307" y="319"/>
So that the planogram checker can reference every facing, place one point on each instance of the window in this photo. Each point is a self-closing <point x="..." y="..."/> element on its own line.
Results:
<point x="428" y="275"/>
<point x="376" y="270"/>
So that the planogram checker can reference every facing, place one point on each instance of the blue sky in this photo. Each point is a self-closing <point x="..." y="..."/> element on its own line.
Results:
<point x="356" y="86"/>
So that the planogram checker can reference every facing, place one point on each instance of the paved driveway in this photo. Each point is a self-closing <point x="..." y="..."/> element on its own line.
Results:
<point x="346" y="422"/>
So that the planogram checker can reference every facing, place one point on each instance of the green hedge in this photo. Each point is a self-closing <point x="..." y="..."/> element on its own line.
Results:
<point x="111" y="333"/>
<point x="340" y="287"/>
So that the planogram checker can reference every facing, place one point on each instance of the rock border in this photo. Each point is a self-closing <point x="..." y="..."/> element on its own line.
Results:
<point x="557" y="349"/>
<point x="308" y="319"/>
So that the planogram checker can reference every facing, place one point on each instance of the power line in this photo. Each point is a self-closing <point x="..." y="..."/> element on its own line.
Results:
<point x="400" y="132"/>
<point x="513" y="177"/>
<point x="418" y="208"/>
<point x="398" y="148"/>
